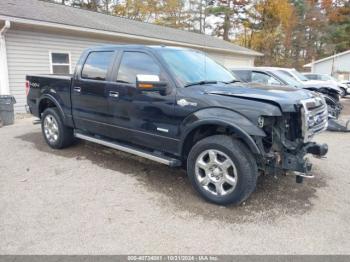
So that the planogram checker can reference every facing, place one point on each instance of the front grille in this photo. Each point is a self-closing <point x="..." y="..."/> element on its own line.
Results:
<point x="314" y="117"/>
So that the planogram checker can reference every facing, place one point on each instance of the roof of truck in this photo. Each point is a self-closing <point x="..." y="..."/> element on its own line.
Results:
<point x="106" y="47"/>
<point x="266" y="68"/>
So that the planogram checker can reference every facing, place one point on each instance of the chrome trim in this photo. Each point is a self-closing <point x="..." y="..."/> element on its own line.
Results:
<point x="162" y="130"/>
<point x="124" y="148"/>
<point x="77" y="89"/>
<point x="114" y="94"/>
<point x="318" y="113"/>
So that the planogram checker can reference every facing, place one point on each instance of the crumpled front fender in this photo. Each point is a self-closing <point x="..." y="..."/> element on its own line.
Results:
<point x="236" y="122"/>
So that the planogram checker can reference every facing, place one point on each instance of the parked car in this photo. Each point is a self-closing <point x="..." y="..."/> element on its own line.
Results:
<point x="178" y="107"/>
<point x="329" y="79"/>
<point x="275" y="76"/>
<point x="316" y="83"/>
<point x="347" y="83"/>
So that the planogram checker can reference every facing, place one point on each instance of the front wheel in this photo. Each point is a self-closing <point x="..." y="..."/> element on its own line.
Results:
<point x="222" y="170"/>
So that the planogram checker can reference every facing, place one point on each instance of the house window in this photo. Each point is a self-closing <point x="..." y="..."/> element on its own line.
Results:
<point x="60" y="63"/>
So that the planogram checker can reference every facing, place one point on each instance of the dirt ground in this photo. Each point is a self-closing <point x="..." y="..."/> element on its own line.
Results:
<point x="89" y="199"/>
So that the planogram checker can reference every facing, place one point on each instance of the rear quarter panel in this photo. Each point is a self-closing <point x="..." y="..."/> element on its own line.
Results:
<point x="55" y="88"/>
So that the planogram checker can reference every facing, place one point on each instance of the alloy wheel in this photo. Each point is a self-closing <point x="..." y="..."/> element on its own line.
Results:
<point x="216" y="172"/>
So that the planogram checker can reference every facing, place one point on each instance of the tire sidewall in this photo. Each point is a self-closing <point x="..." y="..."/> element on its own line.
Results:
<point x="242" y="166"/>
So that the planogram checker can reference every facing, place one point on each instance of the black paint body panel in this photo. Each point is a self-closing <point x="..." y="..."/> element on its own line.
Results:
<point x="155" y="120"/>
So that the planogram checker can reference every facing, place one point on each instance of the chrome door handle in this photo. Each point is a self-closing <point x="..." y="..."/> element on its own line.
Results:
<point x="114" y="94"/>
<point x="77" y="89"/>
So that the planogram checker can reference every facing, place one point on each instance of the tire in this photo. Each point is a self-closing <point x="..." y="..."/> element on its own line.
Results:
<point x="212" y="179"/>
<point x="56" y="134"/>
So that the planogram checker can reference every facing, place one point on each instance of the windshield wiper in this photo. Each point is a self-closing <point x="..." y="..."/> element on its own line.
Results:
<point x="231" y="82"/>
<point x="203" y="82"/>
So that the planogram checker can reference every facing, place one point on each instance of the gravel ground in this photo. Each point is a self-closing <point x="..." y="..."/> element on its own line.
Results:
<point x="89" y="199"/>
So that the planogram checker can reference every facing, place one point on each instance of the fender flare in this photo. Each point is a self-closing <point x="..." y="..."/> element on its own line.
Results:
<point x="53" y="100"/>
<point x="233" y="123"/>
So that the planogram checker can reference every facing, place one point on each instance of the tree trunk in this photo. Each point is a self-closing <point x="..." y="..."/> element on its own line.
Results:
<point x="226" y="27"/>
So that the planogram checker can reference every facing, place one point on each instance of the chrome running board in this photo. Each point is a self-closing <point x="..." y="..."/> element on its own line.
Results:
<point x="131" y="150"/>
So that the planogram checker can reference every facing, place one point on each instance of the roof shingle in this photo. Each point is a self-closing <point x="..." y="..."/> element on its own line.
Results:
<point x="65" y="15"/>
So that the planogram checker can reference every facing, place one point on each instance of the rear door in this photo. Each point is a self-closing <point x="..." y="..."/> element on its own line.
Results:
<point x="140" y="117"/>
<point x="89" y="92"/>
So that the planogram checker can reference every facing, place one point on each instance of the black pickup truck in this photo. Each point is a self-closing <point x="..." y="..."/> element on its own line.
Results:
<point x="180" y="108"/>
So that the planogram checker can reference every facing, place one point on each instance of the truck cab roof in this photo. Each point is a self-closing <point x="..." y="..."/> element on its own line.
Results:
<point x="149" y="47"/>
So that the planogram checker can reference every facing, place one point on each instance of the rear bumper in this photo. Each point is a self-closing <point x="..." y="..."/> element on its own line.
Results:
<point x="27" y="109"/>
<point x="32" y="108"/>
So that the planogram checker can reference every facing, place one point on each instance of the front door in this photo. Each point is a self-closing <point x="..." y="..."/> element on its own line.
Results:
<point x="141" y="117"/>
<point x="89" y="92"/>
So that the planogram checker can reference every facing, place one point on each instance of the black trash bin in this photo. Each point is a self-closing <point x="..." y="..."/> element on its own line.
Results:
<point x="7" y="114"/>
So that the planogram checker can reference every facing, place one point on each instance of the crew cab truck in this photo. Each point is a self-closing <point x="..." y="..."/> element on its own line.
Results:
<point x="180" y="108"/>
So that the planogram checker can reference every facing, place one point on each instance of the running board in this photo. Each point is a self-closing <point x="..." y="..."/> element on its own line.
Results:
<point x="131" y="150"/>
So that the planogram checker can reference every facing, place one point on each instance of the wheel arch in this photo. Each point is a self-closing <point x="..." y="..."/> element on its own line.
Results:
<point x="47" y="101"/>
<point x="211" y="127"/>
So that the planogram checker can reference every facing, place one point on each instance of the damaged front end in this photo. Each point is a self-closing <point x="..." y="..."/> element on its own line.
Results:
<point x="288" y="139"/>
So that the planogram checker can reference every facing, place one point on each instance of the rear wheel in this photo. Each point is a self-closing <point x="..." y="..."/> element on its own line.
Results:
<point x="222" y="170"/>
<point x="56" y="134"/>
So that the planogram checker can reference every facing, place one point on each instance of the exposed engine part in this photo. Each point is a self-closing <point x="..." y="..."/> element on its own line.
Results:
<point x="317" y="149"/>
<point x="288" y="139"/>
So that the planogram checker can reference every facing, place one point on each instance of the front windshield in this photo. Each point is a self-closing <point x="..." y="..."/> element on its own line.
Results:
<point x="299" y="75"/>
<point x="190" y="66"/>
<point x="286" y="78"/>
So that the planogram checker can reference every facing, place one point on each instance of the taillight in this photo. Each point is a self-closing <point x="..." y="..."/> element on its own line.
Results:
<point x="27" y="87"/>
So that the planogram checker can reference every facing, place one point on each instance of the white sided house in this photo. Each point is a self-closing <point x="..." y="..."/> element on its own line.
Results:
<point x="337" y="65"/>
<point x="38" y="37"/>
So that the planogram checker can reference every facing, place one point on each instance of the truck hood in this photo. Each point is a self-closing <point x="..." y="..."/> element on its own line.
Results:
<point x="321" y="84"/>
<point x="286" y="98"/>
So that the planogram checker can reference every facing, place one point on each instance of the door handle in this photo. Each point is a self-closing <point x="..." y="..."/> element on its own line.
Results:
<point x="77" y="89"/>
<point x="113" y="94"/>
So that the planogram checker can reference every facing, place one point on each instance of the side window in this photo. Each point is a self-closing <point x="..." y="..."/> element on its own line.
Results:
<point x="96" y="65"/>
<point x="259" y="77"/>
<point x="288" y="74"/>
<point x="60" y="63"/>
<point x="135" y="63"/>
<point x="312" y="77"/>
<point x="243" y="75"/>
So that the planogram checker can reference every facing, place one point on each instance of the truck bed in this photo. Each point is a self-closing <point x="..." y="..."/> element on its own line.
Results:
<point x="67" y="77"/>
<point x="57" y="87"/>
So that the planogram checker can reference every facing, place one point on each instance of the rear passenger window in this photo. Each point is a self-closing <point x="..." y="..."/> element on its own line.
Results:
<point x="135" y="63"/>
<point x="96" y="65"/>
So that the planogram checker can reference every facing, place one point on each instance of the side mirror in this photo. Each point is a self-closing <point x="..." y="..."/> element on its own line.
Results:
<point x="151" y="83"/>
